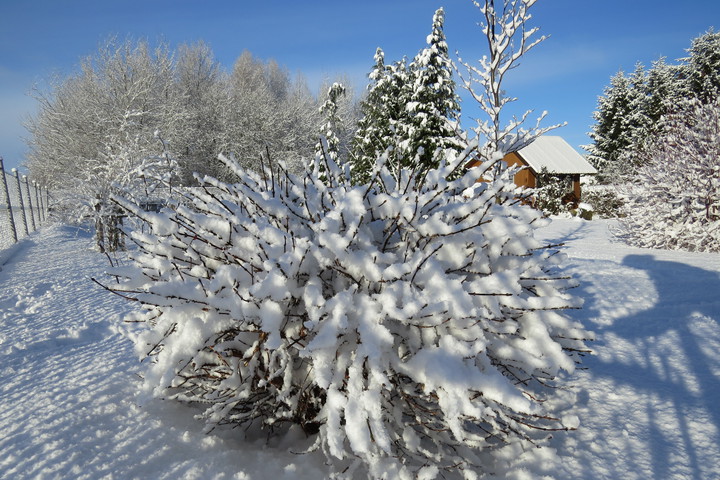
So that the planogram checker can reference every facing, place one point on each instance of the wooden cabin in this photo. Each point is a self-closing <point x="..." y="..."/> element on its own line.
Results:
<point x="552" y="155"/>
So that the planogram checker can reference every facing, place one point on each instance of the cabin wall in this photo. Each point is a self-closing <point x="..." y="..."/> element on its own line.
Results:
<point x="525" y="178"/>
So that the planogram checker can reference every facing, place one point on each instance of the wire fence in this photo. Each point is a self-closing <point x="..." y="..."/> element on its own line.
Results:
<point x="23" y="206"/>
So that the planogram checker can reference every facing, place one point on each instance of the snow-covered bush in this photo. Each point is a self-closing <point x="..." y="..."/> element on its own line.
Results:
<point x="674" y="200"/>
<point x="551" y="193"/>
<point x="583" y="210"/>
<point x="605" y="201"/>
<point x="410" y="328"/>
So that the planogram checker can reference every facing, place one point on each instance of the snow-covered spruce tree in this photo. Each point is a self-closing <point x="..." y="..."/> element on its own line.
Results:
<point x="432" y="113"/>
<point x="701" y="69"/>
<point x="674" y="200"/>
<point x="610" y="134"/>
<point x="382" y="110"/>
<point x="347" y="113"/>
<point x="330" y="142"/>
<point x="663" y="90"/>
<point x="411" y="111"/>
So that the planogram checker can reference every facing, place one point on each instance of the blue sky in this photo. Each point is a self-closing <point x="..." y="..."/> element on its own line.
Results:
<point x="590" y="40"/>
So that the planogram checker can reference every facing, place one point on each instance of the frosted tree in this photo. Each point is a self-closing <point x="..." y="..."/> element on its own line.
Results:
<point x="674" y="200"/>
<point x="200" y="84"/>
<point x="96" y="127"/>
<point x="508" y="38"/>
<point x="266" y="111"/>
<point x="124" y="85"/>
<point x="411" y="327"/>
<point x="250" y="109"/>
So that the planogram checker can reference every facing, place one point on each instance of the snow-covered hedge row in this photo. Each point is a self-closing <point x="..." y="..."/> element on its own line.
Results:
<point x="409" y="327"/>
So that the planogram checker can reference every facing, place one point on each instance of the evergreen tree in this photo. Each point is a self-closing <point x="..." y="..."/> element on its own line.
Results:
<point x="663" y="91"/>
<point x="433" y="109"/>
<point x="702" y="67"/>
<point x="629" y="113"/>
<point x="382" y="110"/>
<point x="330" y="129"/>
<point x="328" y="147"/>
<point x="413" y="108"/>
<point x="610" y="134"/>
<point x="345" y="112"/>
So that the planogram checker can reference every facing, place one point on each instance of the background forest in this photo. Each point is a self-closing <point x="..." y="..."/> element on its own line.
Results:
<point x="656" y="145"/>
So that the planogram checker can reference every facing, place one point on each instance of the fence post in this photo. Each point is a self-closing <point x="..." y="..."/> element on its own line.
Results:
<point x="22" y="203"/>
<point x="30" y="205"/>
<point x="42" y="204"/>
<point x="37" y="201"/>
<point x="7" y="199"/>
<point x="47" y="203"/>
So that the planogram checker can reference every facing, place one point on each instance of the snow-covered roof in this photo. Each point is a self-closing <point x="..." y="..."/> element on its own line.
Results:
<point x="556" y="155"/>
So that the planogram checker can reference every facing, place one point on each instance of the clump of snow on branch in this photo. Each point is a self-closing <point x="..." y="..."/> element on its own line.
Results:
<point x="403" y="325"/>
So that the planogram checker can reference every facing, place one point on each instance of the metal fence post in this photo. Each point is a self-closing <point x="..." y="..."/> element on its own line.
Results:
<point x="30" y="205"/>
<point x="22" y="203"/>
<point x="42" y="203"/>
<point x="37" y="202"/>
<point x="7" y="199"/>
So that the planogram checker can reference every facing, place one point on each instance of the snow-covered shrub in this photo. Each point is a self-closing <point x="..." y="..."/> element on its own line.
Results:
<point x="551" y="193"/>
<point x="410" y="328"/>
<point x="605" y="201"/>
<point x="583" y="210"/>
<point x="674" y="200"/>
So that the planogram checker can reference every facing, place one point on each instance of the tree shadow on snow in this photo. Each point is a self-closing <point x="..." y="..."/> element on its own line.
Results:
<point x="669" y="359"/>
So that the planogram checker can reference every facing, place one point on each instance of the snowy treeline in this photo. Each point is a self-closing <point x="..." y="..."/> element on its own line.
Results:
<point x="409" y="323"/>
<point x="96" y="128"/>
<point x="655" y="142"/>
<point x="201" y="110"/>
<point x="630" y="110"/>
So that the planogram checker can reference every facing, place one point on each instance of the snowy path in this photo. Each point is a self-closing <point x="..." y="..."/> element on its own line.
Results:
<point x="650" y="408"/>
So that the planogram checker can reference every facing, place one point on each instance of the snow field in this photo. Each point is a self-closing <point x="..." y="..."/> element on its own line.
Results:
<point x="649" y="407"/>
<point x="68" y="385"/>
<point x="68" y="406"/>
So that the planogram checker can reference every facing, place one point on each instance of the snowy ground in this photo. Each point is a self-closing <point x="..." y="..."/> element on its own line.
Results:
<point x="649" y="402"/>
